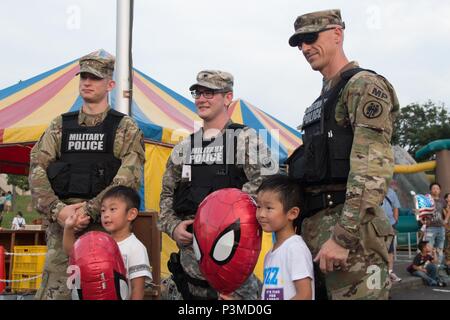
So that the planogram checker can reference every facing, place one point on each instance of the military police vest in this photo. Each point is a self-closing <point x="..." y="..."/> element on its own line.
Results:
<point x="87" y="164"/>
<point x="324" y="157"/>
<point x="208" y="168"/>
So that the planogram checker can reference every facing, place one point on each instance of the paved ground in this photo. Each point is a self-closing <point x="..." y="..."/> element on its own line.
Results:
<point x="422" y="293"/>
<point x="412" y="288"/>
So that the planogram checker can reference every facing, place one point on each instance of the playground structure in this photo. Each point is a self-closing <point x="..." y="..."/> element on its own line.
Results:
<point x="442" y="150"/>
<point x="407" y="227"/>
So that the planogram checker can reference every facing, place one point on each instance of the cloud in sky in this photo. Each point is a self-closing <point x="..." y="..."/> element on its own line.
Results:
<point x="406" y="41"/>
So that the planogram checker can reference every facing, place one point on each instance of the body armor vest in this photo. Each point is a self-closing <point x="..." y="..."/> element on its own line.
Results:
<point x="87" y="164"/>
<point x="210" y="167"/>
<point x="324" y="157"/>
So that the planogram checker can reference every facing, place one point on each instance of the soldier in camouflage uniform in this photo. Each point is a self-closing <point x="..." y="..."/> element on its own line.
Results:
<point x="181" y="190"/>
<point x="126" y="149"/>
<point x="346" y="162"/>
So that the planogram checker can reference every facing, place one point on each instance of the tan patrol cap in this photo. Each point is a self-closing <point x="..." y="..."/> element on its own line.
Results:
<point x="214" y="79"/>
<point x="102" y="67"/>
<point x="315" y="22"/>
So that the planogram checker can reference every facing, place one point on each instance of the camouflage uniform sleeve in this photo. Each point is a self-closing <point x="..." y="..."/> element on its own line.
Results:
<point x="129" y="147"/>
<point x="258" y="161"/>
<point x="44" y="152"/>
<point x="168" y="220"/>
<point x="372" y="106"/>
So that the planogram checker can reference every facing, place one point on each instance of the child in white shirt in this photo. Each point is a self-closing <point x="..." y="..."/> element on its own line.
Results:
<point x="288" y="266"/>
<point x="119" y="209"/>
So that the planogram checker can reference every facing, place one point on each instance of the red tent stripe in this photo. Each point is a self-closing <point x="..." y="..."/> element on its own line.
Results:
<point x="174" y="114"/>
<point x="24" y="107"/>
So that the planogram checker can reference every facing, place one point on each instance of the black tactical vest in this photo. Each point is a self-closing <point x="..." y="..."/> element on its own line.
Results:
<point x="87" y="164"/>
<point x="324" y="157"/>
<point x="212" y="167"/>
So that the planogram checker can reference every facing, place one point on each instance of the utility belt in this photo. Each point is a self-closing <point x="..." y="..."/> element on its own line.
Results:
<point x="182" y="279"/>
<point x="317" y="201"/>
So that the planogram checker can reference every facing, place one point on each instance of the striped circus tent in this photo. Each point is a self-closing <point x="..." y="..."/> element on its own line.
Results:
<point x="27" y="108"/>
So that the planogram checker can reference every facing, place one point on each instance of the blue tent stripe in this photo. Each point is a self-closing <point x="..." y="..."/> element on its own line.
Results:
<point x="250" y="120"/>
<point x="137" y="114"/>
<point x="77" y="104"/>
<point x="142" y="193"/>
<point x="292" y="130"/>
<point x="150" y="130"/>
<point x="187" y="103"/>
<point x="23" y="84"/>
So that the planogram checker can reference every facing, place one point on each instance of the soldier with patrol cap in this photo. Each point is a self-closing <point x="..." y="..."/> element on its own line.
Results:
<point x="346" y="162"/>
<point x="217" y="156"/>
<point x="77" y="159"/>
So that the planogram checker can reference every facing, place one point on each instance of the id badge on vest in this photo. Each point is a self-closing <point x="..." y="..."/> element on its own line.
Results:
<point x="186" y="172"/>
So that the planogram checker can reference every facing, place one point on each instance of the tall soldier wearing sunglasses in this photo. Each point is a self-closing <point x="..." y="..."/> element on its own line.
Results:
<point x="219" y="155"/>
<point x="79" y="157"/>
<point x="346" y="162"/>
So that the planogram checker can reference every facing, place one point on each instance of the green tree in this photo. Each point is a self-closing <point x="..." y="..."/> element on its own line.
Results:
<point x="20" y="182"/>
<point x="417" y="125"/>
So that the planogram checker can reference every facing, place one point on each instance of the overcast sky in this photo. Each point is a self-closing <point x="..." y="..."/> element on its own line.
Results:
<point x="406" y="41"/>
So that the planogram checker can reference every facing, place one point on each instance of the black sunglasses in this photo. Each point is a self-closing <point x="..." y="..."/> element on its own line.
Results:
<point x="310" y="38"/>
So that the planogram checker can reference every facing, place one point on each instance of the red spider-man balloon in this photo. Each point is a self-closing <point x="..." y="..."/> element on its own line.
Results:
<point x="96" y="269"/>
<point x="227" y="238"/>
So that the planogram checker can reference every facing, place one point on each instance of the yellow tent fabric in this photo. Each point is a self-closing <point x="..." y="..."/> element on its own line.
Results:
<point x="156" y="156"/>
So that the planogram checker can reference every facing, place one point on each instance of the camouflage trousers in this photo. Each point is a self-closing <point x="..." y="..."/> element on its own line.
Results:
<point x="54" y="277"/>
<point x="367" y="275"/>
<point x="250" y="290"/>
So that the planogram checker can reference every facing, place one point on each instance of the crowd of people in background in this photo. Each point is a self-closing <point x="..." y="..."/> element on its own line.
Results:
<point x="433" y="250"/>
<point x="18" y="221"/>
<point x="434" y="244"/>
<point x="434" y="241"/>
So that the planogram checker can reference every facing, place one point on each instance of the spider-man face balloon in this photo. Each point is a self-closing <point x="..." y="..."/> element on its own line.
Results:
<point x="227" y="238"/>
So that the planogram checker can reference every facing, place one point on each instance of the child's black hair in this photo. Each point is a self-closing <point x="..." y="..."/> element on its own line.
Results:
<point x="127" y="194"/>
<point x="422" y="244"/>
<point x="20" y="213"/>
<point x="289" y="191"/>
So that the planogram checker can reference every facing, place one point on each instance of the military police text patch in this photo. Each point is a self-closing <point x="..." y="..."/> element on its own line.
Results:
<point x="378" y="93"/>
<point x="372" y="109"/>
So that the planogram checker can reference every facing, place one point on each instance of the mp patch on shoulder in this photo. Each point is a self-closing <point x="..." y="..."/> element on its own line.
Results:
<point x="372" y="109"/>
<point x="377" y="92"/>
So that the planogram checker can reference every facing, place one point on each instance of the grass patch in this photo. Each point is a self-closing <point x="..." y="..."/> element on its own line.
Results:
<point x="22" y="203"/>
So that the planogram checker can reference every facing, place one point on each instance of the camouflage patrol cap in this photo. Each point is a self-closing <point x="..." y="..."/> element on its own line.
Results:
<point x="315" y="22"/>
<point x="102" y="67"/>
<point x="214" y="79"/>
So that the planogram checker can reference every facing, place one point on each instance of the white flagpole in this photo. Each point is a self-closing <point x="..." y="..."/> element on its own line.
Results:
<point x="123" y="74"/>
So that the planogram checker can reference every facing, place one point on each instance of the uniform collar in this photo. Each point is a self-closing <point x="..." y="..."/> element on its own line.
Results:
<point x="328" y="84"/>
<point x="91" y="120"/>
<point x="229" y="122"/>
